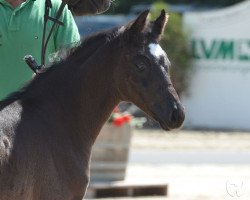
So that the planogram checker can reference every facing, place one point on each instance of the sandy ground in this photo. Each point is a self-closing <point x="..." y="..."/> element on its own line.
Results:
<point x="200" y="181"/>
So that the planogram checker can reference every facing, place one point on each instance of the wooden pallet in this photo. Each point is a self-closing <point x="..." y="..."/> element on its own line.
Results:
<point x="126" y="189"/>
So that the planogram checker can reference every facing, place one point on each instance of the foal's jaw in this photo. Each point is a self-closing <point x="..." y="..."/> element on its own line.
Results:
<point x="169" y="117"/>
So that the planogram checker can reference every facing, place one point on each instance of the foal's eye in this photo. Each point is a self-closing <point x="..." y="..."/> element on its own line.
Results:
<point x="141" y="63"/>
<point x="140" y="66"/>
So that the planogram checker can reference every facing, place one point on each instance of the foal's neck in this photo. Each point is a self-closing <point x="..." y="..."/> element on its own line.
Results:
<point x="77" y="96"/>
<point x="89" y="93"/>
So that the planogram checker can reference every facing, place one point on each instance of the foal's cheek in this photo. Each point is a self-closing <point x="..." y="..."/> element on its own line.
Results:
<point x="127" y="86"/>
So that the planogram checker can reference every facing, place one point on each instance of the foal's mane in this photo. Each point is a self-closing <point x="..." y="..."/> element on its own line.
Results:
<point x="88" y="46"/>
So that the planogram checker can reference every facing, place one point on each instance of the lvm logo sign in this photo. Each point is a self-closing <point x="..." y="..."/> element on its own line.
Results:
<point x="221" y="49"/>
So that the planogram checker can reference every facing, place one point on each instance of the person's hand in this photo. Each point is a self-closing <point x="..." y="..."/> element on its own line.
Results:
<point x="85" y="7"/>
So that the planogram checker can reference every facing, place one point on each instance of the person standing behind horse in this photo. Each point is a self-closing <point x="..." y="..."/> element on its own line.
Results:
<point x="21" y="29"/>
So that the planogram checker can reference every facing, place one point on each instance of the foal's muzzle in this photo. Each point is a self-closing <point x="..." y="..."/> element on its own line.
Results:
<point x="174" y="118"/>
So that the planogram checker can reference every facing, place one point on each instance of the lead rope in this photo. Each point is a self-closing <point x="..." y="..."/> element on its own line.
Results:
<point x="29" y="58"/>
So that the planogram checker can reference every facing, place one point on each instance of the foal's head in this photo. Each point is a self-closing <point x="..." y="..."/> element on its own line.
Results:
<point x="143" y="73"/>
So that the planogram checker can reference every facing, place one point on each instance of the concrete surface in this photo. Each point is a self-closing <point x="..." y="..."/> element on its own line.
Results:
<point x="208" y="165"/>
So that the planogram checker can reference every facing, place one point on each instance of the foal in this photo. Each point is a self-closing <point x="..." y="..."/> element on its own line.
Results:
<point x="47" y="130"/>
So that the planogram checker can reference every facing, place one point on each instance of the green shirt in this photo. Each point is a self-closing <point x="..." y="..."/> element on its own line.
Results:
<point x="21" y="34"/>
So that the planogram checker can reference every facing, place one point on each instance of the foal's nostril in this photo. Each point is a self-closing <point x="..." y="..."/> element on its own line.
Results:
<point x="174" y="117"/>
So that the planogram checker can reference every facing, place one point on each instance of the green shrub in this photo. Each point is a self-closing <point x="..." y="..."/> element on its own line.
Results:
<point x="123" y="6"/>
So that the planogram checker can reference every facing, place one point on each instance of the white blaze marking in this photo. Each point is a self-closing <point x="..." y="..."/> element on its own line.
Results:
<point x="156" y="50"/>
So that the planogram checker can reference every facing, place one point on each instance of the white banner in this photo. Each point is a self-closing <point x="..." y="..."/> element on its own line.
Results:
<point x="219" y="92"/>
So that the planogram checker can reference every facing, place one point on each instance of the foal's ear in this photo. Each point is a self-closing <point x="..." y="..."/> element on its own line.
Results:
<point x="159" y="25"/>
<point x="139" y="24"/>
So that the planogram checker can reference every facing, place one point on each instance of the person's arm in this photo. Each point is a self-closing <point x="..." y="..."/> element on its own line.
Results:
<point x="68" y="34"/>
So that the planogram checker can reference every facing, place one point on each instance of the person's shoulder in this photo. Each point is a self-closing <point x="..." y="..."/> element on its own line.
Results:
<point x="56" y="3"/>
